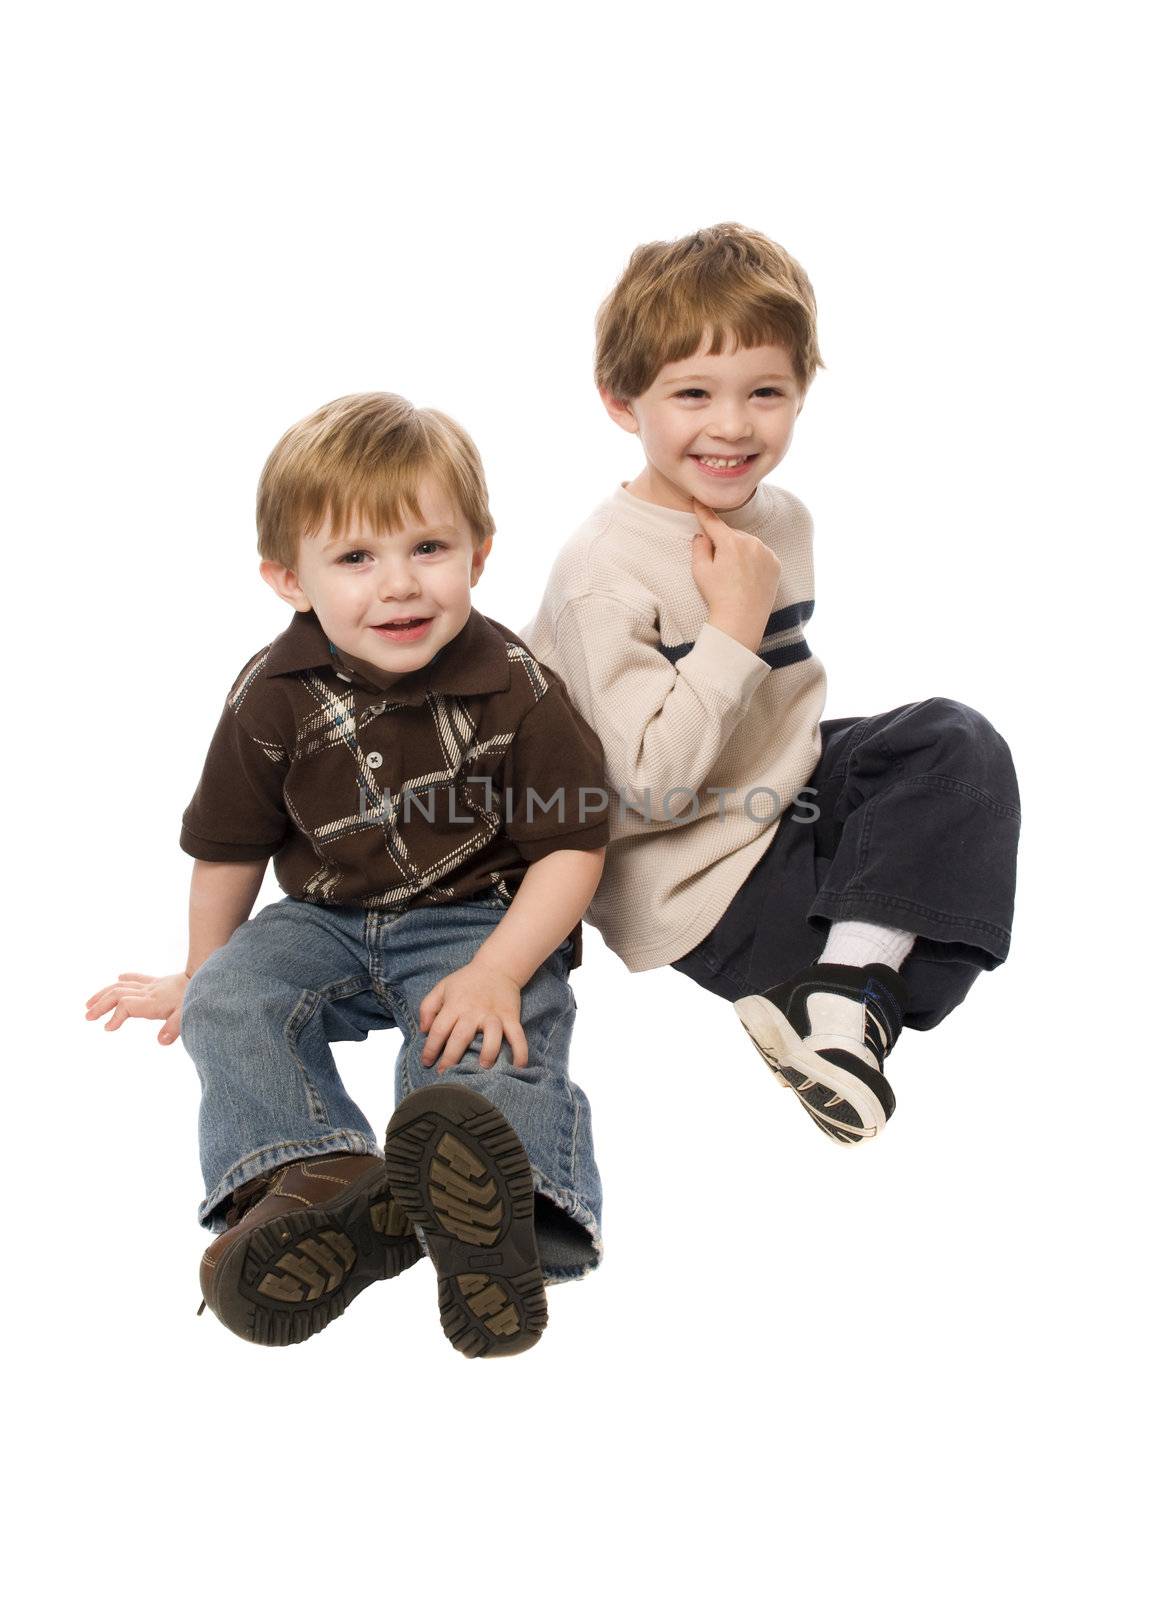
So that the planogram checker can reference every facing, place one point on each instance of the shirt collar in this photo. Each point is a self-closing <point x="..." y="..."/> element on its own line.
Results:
<point x="474" y="662"/>
<point x="644" y="514"/>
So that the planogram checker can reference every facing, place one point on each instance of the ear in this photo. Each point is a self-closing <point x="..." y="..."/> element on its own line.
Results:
<point x="479" y="556"/>
<point x="619" y="411"/>
<point x="283" y="581"/>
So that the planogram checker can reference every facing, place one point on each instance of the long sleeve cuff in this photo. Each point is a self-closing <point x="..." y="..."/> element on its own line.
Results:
<point x="721" y="662"/>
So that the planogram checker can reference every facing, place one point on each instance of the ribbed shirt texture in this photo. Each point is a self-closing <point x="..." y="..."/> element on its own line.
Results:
<point x="679" y="705"/>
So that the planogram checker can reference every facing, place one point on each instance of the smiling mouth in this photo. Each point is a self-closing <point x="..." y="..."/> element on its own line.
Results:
<point x="723" y="463"/>
<point x="403" y="627"/>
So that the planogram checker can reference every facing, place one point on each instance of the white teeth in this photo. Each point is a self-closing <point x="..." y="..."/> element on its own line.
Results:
<point x="723" y="461"/>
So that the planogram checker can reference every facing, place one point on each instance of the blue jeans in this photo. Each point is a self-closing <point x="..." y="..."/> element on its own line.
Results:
<point x="260" y="1014"/>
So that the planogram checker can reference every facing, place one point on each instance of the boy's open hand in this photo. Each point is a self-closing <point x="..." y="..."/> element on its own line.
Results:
<point x="736" y="573"/>
<point x="137" y="995"/>
<point x="475" y="999"/>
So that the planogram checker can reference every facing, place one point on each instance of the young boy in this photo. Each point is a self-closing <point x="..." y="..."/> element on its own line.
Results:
<point x="399" y="755"/>
<point x="834" y="879"/>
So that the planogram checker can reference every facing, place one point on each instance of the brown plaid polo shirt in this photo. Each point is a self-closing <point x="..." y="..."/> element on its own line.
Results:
<point x="438" y="786"/>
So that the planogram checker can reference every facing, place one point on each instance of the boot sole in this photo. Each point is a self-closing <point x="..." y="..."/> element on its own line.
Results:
<point x="815" y="1080"/>
<point x="459" y="1171"/>
<point x="291" y="1277"/>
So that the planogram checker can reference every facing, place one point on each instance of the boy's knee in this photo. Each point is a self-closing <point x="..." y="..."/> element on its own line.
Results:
<point x="968" y="742"/>
<point x="222" y="995"/>
<point x="197" y="1002"/>
<point x="964" y="721"/>
<point x="973" y="736"/>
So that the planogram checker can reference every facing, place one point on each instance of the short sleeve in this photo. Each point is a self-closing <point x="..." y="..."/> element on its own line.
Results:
<point x="237" y="812"/>
<point x="554" y="778"/>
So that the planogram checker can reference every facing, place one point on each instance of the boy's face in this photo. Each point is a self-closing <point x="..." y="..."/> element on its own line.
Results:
<point x="712" y="426"/>
<point x="390" y="599"/>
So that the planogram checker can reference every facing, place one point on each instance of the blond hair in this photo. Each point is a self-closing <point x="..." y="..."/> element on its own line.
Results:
<point x="726" y="281"/>
<point x="363" y="457"/>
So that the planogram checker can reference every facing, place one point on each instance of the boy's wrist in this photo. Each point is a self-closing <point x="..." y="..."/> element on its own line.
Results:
<point x="487" y="961"/>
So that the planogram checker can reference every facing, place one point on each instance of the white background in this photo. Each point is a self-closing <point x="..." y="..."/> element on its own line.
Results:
<point x="932" y="1366"/>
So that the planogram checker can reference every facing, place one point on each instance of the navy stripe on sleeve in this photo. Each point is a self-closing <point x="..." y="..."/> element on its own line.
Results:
<point x="772" y="650"/>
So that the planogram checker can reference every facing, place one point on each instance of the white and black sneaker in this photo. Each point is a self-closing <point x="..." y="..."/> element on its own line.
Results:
<point x="826" y="1033"/>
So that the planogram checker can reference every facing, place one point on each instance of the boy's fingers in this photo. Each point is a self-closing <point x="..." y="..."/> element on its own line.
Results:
<point x="490" y="1049"/>
<point x="135" y="1005"/>
<point x="458" y="1041"/>
<point x="516" y="1038"/>
<point x="436" y="1034"/>
<point x="114" y="991"/>
<point x="712" y="525"/>
<point x="430" y="1008"/>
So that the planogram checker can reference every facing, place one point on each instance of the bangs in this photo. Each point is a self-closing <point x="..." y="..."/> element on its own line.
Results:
<point x="362" y="460"/>
<point x="727" y="284"/>
<point x="729" y="325"/>
<point x="382" y="499"/>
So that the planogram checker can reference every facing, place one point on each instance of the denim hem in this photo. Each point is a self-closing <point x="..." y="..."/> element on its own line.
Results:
<point x="568" y="1202"/>
<point x="989" y="938"/>
<point x="339" y="1142"/>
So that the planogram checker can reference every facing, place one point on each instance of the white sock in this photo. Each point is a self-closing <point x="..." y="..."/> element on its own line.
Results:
<point x="857" y="944"/>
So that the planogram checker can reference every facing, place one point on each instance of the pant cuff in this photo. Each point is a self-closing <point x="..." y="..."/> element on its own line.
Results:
<point x="983" y="944"/>
<point x="566" y="1201"/>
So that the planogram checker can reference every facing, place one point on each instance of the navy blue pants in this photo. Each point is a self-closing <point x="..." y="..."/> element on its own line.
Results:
<point x="911" y="820"/>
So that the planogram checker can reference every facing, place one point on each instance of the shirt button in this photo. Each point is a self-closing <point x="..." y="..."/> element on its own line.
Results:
<point x="373" y="759"/>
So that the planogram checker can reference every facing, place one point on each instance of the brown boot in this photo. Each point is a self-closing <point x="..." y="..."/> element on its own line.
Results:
<point x="459" y="1169"/>
<point x="301" y="1242"/>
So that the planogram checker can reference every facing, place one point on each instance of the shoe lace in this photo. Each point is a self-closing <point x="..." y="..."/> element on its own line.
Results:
<point x="246" y="1196"/>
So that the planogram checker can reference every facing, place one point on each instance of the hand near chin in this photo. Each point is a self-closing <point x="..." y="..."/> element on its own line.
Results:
<point x="477" y="999"/>
<point x="736" y="574"/>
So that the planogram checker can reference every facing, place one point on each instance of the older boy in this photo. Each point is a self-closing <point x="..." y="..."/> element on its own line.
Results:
<point x="399" y="755"/>
<point x="746" y="830"/>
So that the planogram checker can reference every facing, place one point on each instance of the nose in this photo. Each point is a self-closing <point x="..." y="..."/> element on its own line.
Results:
<point x="397" y="580"/>
<point x="731" y="424"/>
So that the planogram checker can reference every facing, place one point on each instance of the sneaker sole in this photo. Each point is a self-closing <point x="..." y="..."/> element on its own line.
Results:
<point x="291" y="1277"/>
<point x="816" y="1081"/>
<point x="459" y="1171"/>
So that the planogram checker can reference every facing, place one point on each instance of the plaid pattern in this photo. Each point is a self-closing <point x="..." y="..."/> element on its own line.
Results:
<point x="389" y="794"/>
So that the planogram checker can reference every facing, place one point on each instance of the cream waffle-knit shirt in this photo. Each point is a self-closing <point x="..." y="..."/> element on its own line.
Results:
<point x="680" y="706"/>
